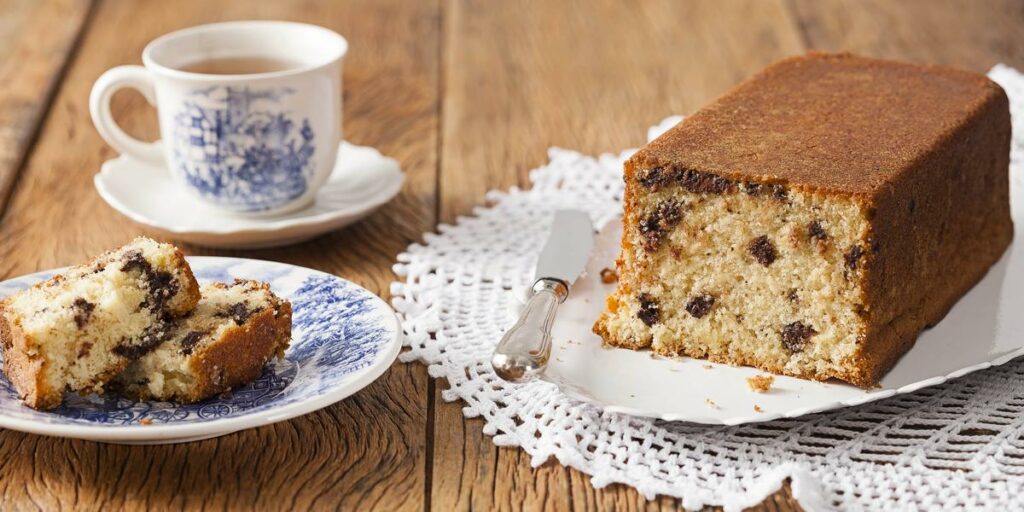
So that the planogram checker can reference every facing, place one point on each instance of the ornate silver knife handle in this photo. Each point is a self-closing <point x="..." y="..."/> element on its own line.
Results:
<point x="524" y="350"/>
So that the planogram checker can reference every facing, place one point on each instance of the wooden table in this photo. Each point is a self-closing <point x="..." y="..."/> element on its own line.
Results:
<point x="467" y="95"/>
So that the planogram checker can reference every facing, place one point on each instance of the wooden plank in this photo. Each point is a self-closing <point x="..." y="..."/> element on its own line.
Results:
<point x="964" y="33"/>
<point x="30" y="67"/>
<point x="368" y="451"/>
<point x="590" y="76"/>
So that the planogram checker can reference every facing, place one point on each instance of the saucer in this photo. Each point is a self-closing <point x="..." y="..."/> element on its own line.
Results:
<point x="343" y="338"/>
<point x="362" y="181"/>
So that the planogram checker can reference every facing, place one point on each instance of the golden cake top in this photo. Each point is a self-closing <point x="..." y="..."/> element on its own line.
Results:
<point x="835" y="122"/>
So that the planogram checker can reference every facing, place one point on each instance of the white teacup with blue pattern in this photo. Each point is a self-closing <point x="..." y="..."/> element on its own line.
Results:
<point x="258" y="144"/>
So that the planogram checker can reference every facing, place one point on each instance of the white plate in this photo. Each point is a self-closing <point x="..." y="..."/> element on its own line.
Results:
<point x="362" y="180"/>
<point x="343" y="338"/>
<point x="985" y="328"/>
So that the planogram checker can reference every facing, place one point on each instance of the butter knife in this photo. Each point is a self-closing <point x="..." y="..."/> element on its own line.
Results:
<point x="524" y="350"/>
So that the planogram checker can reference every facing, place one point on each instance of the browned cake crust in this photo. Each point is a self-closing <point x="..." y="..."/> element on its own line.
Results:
<point x="235" y="330"/>
<point x="24" y="372"/>
<point x="239" y="356"/>
<point x="923" y="151"/>
<point x="25" y="359"/>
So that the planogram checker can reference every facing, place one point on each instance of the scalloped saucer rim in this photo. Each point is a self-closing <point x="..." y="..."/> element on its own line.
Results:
<point x="362" y="181"/>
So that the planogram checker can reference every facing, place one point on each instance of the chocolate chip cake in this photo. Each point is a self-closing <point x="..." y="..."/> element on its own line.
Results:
<point x="78" y="329"/>
<point x="815" y="219"/>
<point x="225" y="342"/>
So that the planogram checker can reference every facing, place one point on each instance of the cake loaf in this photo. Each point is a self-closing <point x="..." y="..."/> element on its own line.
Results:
<point x="225" y="342"/>
<point x="78" y="329"/>
<point x="815" y="219"/>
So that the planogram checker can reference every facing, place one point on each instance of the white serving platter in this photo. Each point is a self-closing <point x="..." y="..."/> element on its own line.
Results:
<point x="985" y="328"/>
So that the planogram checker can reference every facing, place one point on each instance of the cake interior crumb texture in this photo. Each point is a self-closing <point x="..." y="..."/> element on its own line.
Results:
<point x="225" y="342"/>
<point x="76" y="330"/>
<point x="760" y="383"/>
<point x="815" y="219"/>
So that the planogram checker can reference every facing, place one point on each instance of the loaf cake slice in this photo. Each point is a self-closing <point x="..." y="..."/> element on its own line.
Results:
<point x="225" y="342"/>
<point x="815" y="219"/>
<point x="78" y="329"/>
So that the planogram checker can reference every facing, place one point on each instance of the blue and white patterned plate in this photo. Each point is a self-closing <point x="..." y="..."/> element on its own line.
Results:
<point x="343" y="338"/>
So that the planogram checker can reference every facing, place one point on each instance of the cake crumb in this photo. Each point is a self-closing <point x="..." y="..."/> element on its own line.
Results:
<point x="711" y="403"/>
<point x="709" y="367"/>
<point x="757" y="408"/>
<point x="609" y="275"/>
<point x="760" y="383"/>
<point x="145" y="422"/>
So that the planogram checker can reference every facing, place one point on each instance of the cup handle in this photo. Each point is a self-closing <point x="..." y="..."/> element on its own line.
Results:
<point x="138" y="78"/>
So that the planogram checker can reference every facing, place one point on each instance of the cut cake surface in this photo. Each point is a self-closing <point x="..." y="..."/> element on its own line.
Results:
<point x="78" y="329"/>
<point x="815" y="219"/>
<point x="225" y="342"/>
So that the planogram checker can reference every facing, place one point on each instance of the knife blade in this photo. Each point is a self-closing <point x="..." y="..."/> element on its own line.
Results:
<point x="524" y="350"/>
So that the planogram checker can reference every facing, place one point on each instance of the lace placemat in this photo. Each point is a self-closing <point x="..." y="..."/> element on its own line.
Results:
<point x="958" y="445"/>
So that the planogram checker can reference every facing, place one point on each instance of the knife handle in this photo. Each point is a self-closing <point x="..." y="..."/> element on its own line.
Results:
<point x="524" y="350"/>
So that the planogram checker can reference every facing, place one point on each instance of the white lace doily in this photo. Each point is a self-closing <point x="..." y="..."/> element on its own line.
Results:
<point x="959" y="445"/>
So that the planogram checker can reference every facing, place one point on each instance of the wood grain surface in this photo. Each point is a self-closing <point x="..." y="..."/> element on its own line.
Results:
<point x="30" y="68"/>
<point x="369" y="451"/>
<point x="467" y="95"/>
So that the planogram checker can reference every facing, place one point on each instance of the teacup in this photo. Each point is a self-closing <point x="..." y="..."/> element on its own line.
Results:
<point x="250" y="112"/>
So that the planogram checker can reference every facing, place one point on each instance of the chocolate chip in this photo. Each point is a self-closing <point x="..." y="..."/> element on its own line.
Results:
<point x="779" y="192"/>
<point x="763" y="250"/>
<point x="189" y="342"/>
<point x="649" y="312"/>
<point x="239" y="312"/>
<point x="704" y="183"/>
<point x="650" y="229"/>
<point x="796" y="335"/>
<point x="154" y="335"/>
<point x="84" y="349"/>
<point x="752" y="189"/>
<point x="815" y="231"/>
<point x="83" y="311"/>
<point x="654" y="178"/>
<point x="654" y="226"/>
<point x="609" y="276"/>
<point x="700" y="305"/>
<point x="133" y="260"/>
<point x="792" y="295"/>
<point x="670" y="213"/>
<point x="852" y="256"/>
<point x="161" y="285"/>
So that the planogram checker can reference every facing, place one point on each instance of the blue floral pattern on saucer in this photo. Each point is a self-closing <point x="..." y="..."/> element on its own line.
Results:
<point x="339" y="331"/>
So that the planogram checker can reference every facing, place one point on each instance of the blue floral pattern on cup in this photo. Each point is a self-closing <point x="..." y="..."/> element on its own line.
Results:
<point x="238" y="149"/>
<point x="337" y="330"/>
